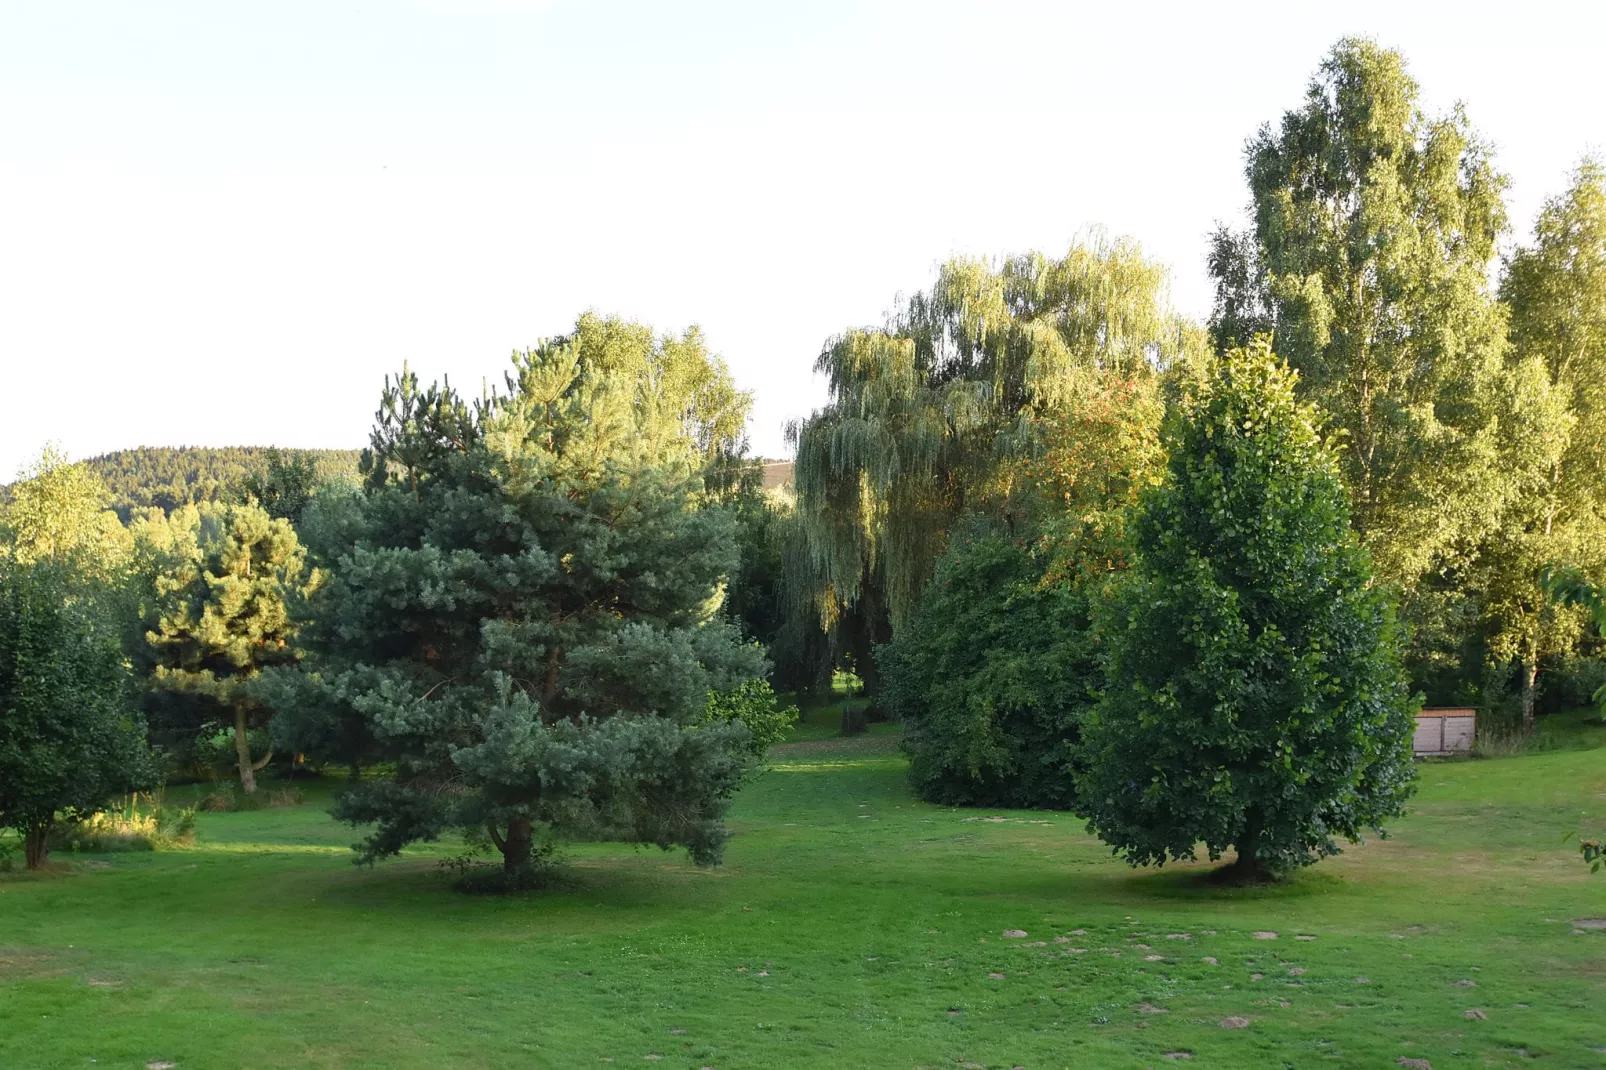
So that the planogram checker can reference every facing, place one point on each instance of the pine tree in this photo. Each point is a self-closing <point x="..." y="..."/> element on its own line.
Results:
<point x="1254" y="693"/>
<point x="522" y="607"/>
<point x="221" y="578"/>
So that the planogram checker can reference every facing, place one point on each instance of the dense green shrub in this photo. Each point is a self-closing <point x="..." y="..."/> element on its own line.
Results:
<point x="1255" y="696"/>
<point x="70" y="741"/>
<point x="991" y="677"/>
<point x="754" y="704"/>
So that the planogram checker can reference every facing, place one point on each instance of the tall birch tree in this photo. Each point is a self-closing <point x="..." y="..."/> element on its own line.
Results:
<point x="1374" y="229"/>
<point x="1555" y="289"/>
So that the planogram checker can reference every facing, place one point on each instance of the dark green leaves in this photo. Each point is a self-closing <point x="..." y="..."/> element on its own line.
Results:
<point x="1254" y="693"/>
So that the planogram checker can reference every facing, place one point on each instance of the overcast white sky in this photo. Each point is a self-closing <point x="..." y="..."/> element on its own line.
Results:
<point x="224" y="223"/>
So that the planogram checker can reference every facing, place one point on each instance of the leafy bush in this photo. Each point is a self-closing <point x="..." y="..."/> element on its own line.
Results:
<point x="1576" y="681"/>
<point x="69" y="739"/>
<point x="1594" y="854"/>
<point x="991" y="678"/>
<point x="754" y="704"/>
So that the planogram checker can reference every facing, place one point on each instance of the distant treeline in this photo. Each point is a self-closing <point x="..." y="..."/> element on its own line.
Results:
<point x="172" y="476"/>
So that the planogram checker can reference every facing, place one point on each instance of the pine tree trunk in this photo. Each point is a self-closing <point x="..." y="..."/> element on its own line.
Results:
<point x="516" y="847"/>
<point x="36" y="845"/>
<point x="1530" y="675"/>
<point x="242" y="751"/>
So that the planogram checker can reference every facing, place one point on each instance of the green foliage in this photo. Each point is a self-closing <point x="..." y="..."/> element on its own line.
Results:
<point x="754" y="705"/>
<point x="169" y="478"/>
<point x="1374" y="229"/>
<point x="759" y="598"/>
<point x="522" y="612"/>
<point x="1569" y="587"/>
<point x="1254" y="695"/>
<point x="992" y="676"/>
<point x="56" y="513"/>
<point x="70" y="741"/>
<point x="1594" y="854"/>
<point x="995" y="671"/>
<point x="285" y="486"/>
<point x="1556" y="291"/>
<point x="754" y="595"/>
<point x="1555" y="515"/>
<point x="928" y="413"/>
<point x="221" y="580"/>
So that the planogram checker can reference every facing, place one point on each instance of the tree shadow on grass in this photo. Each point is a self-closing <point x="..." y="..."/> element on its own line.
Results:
<point x="1201" y="882"/>
<point x="582" y="883"/>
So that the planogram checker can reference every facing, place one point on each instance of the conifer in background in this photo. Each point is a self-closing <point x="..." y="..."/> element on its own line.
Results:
<point x="221" y="580"/>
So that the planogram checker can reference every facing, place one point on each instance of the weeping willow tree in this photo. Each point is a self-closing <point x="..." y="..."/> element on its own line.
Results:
<point x="927" y="411"/>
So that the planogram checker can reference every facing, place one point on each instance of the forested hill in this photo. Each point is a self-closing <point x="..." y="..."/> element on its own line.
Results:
<point x="169" y="476"/>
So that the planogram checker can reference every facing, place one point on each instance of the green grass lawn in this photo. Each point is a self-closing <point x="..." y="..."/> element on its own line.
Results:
<point x="851" y="926"/>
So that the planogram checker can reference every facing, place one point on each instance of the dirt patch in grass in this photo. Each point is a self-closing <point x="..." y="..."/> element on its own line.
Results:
<point x="28" y="963"/>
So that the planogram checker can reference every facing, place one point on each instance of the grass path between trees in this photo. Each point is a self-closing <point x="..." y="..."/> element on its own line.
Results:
<point x="850" y="927"/>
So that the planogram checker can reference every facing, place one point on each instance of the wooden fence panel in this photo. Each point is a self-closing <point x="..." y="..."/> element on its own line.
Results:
<point x="1445" y="730"/>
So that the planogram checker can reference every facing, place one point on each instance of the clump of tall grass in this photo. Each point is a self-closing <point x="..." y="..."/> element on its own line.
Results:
<point x="1500" y="741"/>
<point x="138" y="823"/>
<point x="1505" y="739"/>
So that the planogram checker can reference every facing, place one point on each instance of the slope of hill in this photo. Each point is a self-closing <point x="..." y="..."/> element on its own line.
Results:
<point x="168" y="476"/>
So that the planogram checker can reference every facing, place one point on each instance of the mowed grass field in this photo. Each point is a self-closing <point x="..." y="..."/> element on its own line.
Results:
<point x="850" y="927"/>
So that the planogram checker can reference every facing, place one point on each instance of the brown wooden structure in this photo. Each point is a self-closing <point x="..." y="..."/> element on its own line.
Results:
<point x="1442" y="730"/>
